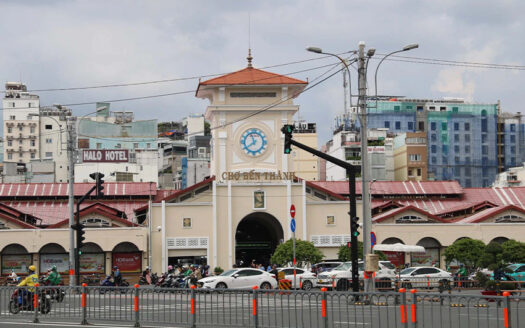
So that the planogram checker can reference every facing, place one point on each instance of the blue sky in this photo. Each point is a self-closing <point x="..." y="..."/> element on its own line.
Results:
<point x="55" y="44"/>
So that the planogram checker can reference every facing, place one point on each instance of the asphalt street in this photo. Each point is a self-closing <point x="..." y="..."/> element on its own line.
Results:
<point x="275" y="309"/>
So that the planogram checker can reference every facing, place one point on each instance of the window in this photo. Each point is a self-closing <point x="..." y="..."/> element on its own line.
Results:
<point x="135" y="145"/>
<point x="510" y="218"/>
<point x="95" y="223"/>
<point x="419" y="108"/>
<point x="442" y="108"/>
<point x="9" y="143"/>
<point x="456" y="126"/>
<point x="397" y="108"/>
<point x="32" y="129"/>
<point x="433" y="137"/>
<point x="433" y="149"/>
<point x="49" y="140"/>
<point x="99" y="145"/>
<point x="118" y="146"/>
<point x="467" y="149"/>
<point x="468" y="184"/>
<point x="484" y="138"/>
<point x="457" y="171"/>
<point x="444" y="149"/>
<point x="444" y="138"/>
<point x="12" y="117"/>
<point x="433" y="126"/>
<point x="434" y="160"/>
<point x="467" y="171"/>
<point x="20" y="141"/>
<point x="484" y="160"/>
<point x="484" y="125"/>
<point x="29" y="105"/>
<point x="414" y="157"/>
<point x="398" y="125"/>
<point x="9" y="130"/>
<point x="330" y="220"/>
<point x="513" y="150"/>
<point x="253" y="94"/>
<point x="467" y="126"/>
<point x="456" y="159"/>
<point x="411" y="126"/>
<point x="186" y="223"/>
<point x="148" y="145"/>
<point x="9" y="156"/>
<point x="49" y="154"/>
<point x="32" y="143"/>
<point x="456" y="138"/>
<point x="444" y="160"/>
<point x="456" y="149"/>
<point x="444" y="126"/>
<point x="455" y="109"/>
<point x="20" y="128"/>
<point x="512" y="138"/>
<point x="467" y="137"/>
<point x="513" y="128"/>
<point x="387" y="125"/>
<point x="49" y="127"/>
<point x="421" y="126"/>
<point x="259" y="201"/>
<point x="418" y="172"/>
<point x="485" y="150"/>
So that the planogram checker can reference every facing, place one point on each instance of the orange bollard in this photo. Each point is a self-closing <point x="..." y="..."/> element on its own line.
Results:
<point x="35" y="297"/>
<point x="506" y="311"/>
<point x="136" y="300"/>
<point x="323" y="304"/>
<point x="83" y="295"/>
<point x="254" y="302"/>
<point x="413" y="305"/>
<point x="428" y="281"/>
<point x="402" y="307"/>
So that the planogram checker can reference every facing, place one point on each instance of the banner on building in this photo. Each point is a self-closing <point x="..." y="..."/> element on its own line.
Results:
<point x="105" y="155"/>
<point x="61" y="261"/>
<point x="19" y="263"/>
<point x="429" y="258"/>
<point x="92" y="263"/>
<point x="128" y="262"/>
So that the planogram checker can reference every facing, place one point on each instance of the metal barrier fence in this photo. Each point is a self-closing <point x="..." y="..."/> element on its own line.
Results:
<point x="259" y="308"/>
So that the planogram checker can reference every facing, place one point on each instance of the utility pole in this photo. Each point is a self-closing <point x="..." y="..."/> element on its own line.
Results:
<point x="71" y="178"/>
<point x="365" y="196"/>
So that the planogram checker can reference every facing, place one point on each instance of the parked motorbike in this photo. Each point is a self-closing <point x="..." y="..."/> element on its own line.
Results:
<point x="153" y="279"/>
<point x="56" y="293"/>
<point x="109" y="282"/>
<point x="22" y="300"/>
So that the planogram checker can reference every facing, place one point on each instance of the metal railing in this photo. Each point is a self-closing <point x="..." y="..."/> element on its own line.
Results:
<point x="136" y="306"/>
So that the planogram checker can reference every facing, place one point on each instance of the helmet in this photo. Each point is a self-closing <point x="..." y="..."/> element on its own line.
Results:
<point x="115" y="267"/>
<point x="170" y="267"/>
<point x="54" y="268"/>
<point x="32" y="268"/>
<point x="147" y="268"/>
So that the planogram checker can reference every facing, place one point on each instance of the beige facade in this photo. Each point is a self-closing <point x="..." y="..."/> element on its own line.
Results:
<point x="410" y="157"/>
<point x="305" y="165"/>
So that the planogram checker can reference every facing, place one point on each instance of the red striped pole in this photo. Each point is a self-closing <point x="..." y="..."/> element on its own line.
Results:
<point x="402" y="307"/>
<point x="35" y="297"/>
<point x="506" y="314"/>
<point x="413" y="306"/>
<point x="84" y="295"/>
<point x="192" y="302"/>
<point x="254" y="302"/>
<point x="323" y="303"/>
<point x="136" y="300"/>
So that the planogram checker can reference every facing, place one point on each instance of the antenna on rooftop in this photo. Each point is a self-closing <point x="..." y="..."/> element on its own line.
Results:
<point x="249" y="58"/>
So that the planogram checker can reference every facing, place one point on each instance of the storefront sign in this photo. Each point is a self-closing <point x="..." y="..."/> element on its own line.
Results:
<point x="92" y="263"/>
<point x="61" y="261"/>
<point x="429" y="258"/>
<point x="18" y="263"/>
<point x="105" y="155"/>
<point x="397" y="258"/>
<point x="376" y="149"/>
<point x="252" y="175"/>
<point x="128" y="262"/>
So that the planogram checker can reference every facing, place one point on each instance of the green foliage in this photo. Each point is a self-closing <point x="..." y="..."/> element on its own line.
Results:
<point x="207" y="130"/>
<point x="218" y="271"/>
<point x="481" y="279"/>
<point x="305" y="252"/>
<point x="513" y="251"/>
<point x="492" y="256"/>
<point x="343" y="254"/>
<point x="467" y="251"/>
<point x="499" y="285"/>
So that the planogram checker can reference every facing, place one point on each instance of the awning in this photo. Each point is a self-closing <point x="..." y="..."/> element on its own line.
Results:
<point x="399" y="248"/>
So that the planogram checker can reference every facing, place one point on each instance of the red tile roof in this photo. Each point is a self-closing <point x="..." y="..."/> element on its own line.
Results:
<point x="252" y="76"/>
<point x="397" y="187"/>
<point x="98" y="208"/>
<point x="392" y="212"/>
<point x="488" y="213"/>
<point x="36" y="190"/>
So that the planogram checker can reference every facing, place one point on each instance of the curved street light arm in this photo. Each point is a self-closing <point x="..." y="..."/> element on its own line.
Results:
<point x="377" y="68"/>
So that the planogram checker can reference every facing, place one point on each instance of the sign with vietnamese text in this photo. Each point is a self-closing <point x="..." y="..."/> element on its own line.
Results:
<point x="92" y="263"/>
<point x="17" y="263"/>
<point x="61" y="261"/>
<point x="105" y="155"/>
<point x="128" y="262"/>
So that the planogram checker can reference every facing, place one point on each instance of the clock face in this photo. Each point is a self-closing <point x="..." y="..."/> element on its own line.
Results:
<point x="254" y="142"/>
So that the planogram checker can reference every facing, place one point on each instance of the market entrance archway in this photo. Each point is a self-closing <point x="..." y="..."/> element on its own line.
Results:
<point x="256" y="237"/>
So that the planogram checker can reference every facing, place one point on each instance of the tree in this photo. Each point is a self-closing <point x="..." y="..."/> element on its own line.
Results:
<point x="513" y="251"/>
<point x="305" y="252"/>
<point x="207" y="130"/>
<point x="467" y="251"/>
<point x="491" y="257"/>
<point x="343" y="253"/>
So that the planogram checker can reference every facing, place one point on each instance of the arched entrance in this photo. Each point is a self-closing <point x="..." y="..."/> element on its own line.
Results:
<point x="432" y="255"/>
<point x="256" y="238"/>
<point x="53" y="254"/>
<point x="15" y="258"/>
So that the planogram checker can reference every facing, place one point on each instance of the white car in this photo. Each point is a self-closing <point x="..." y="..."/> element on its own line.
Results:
<point x="240" y="278"/>
<point x="424" y="277"/>
<point x="341" y="276"/>
<point x="307" y="278"/>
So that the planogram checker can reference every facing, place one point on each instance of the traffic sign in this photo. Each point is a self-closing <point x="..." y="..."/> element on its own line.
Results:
<point x="292" y="225"/>
<point x="372" y="239"/>
<point x="292" y="211"/>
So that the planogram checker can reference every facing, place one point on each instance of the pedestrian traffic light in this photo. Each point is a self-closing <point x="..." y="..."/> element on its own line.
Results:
<point x="354" y="226"/>
<point x="98" y="177"/>
<point x="287" y="130"/>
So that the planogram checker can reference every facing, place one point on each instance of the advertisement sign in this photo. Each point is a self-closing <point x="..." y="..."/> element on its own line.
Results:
<point x="429" y="258"/>
<point x="128" y="262"/>
<point x="105" y="155"/>
<point x="92" y="263"/>
<point x="19" y="263"/>
<point x="376" y="149"/>
<point x="397" y="258"/>
<point x="61" y="261"/>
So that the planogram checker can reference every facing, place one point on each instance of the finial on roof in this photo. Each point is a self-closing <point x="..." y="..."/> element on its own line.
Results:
<point x="249" y="58"/>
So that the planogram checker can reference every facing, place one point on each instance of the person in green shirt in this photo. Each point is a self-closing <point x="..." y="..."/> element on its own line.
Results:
<point x="54" y="277"/>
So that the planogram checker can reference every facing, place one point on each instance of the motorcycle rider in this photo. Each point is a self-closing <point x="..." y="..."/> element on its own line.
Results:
<point x="146" y="274"/>
<point x="30" y="281"/>
<point x="13" y="278"/>
<point x="54" y="277"/>
<point x="117" y="277"/>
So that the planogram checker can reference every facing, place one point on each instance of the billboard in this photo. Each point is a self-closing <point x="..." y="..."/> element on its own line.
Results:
<point x="105" y="155"/>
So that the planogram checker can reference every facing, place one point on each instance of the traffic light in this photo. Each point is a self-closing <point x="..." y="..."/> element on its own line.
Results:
<point x="354" y="226"/>
<point x="98" y="177"/>
<point x="287" y="130"/>
<point x="79" y="228"/>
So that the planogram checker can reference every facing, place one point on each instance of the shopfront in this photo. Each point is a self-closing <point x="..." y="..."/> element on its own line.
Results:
<point x="15" y="258"/>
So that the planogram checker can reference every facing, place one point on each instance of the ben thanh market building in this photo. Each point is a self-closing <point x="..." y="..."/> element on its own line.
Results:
<point x="241" y="213"/>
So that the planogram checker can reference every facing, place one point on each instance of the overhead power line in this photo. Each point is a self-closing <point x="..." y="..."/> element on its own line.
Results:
<point x="443" y="62"/>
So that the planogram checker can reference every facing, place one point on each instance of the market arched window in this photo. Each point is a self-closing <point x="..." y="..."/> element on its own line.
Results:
<point x="411" y="219"/>
<point x="510" y="218"/>
<point x="3" y="226"/>
<point x="95" y="223"/>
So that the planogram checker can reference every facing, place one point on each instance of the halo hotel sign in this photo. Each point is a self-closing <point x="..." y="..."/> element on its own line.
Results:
<point x="105" y="155"/>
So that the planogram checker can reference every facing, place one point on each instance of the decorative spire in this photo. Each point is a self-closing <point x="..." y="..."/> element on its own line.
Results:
<point x="249" y="58"/>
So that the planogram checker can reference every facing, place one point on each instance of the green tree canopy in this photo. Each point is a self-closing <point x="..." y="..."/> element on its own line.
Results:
<point x="513" y="251"/>
<point x="467" y="251"/>
<point x="343" y="254"/>
<point x="305" y="252"/>
<point x="492" y="256"/>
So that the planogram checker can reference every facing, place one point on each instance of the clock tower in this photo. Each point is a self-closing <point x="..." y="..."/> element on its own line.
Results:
<point x="247" y="110"/>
